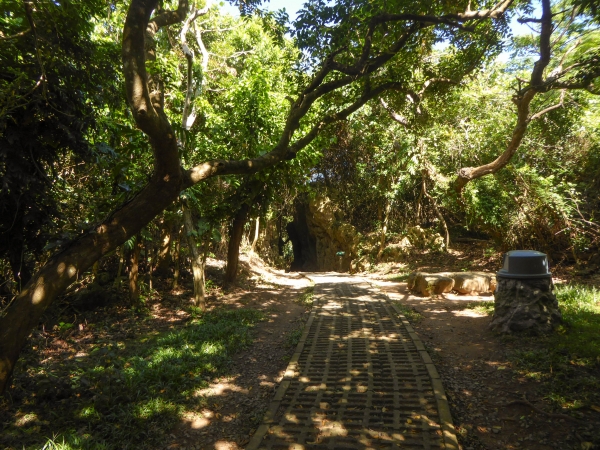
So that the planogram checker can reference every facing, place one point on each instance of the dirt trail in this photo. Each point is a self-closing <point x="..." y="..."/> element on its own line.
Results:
<point x="480" y="384"/>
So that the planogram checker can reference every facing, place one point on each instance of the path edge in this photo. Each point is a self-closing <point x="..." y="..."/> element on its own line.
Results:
<point x="448" y="430"/>
<point x="263" y="428"/>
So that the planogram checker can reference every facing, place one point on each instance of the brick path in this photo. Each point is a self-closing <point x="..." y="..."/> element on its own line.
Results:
<point x="360" y="379"/>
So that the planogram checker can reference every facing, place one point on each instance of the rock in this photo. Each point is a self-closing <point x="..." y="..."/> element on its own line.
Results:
<point x="395" y="252"/>
<point x="463" y="282"/>
<point x="429" y="284"/>
<point x="331" y="234"/>
<point x="525" y="305"/>
<point x="473" y="282"/>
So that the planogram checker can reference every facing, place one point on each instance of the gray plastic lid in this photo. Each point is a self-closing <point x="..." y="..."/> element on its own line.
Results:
<point x="524" y="264"/>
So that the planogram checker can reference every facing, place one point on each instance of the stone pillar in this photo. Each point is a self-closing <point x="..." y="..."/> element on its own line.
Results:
<point x="525" y="305"/>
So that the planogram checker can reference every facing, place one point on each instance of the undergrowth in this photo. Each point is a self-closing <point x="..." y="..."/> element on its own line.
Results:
<point x="412" y="315"/>
<point x="567" y="362"/>
<point x="306" y="299"/>
<point x="130" y="393"/>
<point x="485" y="308"/>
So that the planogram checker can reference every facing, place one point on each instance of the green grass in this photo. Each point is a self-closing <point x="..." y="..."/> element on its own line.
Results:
<point x="411" y="314"/>
<point x="567" y="362"/>
<point x="307" y="297"/>
<point x="130" y="394"/>
<point x="400" y="277"/>
<point x="486" y="308"/>
<point x="294" y="336"/>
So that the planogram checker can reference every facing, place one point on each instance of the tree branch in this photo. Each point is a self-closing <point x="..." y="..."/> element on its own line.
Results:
<point x="550" y="108"/>
<point x="522" y="100"/>
<point x="14" y="36"/>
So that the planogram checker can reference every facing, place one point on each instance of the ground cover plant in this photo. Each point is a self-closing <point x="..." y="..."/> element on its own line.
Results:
<point x="567" y="362"/>
<point x="110" y="384"/>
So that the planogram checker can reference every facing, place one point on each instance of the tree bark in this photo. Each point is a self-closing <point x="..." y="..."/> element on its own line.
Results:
<point x="163" y="257"/>
<point x="256" y="234"/>
<point x="175" y="258"/>
<point x="523" y="100"/>
<point x="235" y="239"/>
<point x="438" y="213"/>
<point x="134" y="269"/>
<point x="117" y="283"/>
<point x="197" y="260"/>
<point x="384" y="226"/>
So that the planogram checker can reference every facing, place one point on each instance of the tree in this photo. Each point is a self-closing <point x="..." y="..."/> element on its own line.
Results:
<point x="354" y="67"/>
<point x="566" y="74"/>
<point x="49" y="60"/>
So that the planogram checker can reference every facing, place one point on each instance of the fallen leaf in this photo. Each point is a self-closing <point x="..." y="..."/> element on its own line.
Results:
<point x="595" y="408"/>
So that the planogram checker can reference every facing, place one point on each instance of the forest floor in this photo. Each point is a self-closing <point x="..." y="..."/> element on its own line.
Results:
<point x="109" y="378"/>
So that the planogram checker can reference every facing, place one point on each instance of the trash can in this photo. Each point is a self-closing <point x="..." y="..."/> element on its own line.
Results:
<point x="524" y="299"/>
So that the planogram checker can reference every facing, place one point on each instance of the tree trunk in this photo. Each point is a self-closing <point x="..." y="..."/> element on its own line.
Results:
<point x="438" y="213"/>
<point x="384" y="226"/>
<point x="168" y="179"/>
<point x="117" y="283"/>
<point x="197" y="260"/>
<point x="134" y="267"/>
<point x="175" y="258"/>
<point x="163" y="257"/>
<point x="235" y="239"/>
<point x="256" y="234"/>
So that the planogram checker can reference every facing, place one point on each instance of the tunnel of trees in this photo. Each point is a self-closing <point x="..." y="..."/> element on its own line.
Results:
<point x="168" y="128"/>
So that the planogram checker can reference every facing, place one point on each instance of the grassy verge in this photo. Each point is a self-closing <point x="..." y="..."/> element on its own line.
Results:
<point x="400" y="277"/>
<point x="411" y="314"/>
<point x="485" y="308"/>
<point x="567" y="362"/>
<point x="306" y="299"/>
<point x="126" y="393"/>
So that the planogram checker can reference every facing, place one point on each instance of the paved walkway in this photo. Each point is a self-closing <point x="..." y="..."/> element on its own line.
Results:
<point x="360" y="379"/>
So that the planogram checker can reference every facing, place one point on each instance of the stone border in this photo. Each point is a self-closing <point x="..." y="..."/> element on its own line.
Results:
<point x="436" y="381"/>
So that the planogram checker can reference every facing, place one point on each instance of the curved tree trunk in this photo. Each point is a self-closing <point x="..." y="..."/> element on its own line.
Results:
<point x="235" y="239"/>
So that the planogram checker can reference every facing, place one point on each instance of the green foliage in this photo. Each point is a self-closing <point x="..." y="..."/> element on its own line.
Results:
<point x="49" y="94"/>
<point x="411" y="314"/>
<point x="567" y="361"/>
<point x="130" y="394"/>
<point x="306" y="299"/>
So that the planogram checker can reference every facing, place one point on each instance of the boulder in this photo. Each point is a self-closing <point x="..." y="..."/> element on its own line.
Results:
<point x="470" y="283"/>
<point x="473" y="282"/>
<point x="430" y="284"/>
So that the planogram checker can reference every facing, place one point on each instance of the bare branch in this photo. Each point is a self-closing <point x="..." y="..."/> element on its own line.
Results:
<point x="186" y="122"/>
<point x="43" y="78"/>
<point x="560" y="104"/>
<point x="280" y="152"/>
<point x="14" y="36"/>
<point x="394" y="115"/>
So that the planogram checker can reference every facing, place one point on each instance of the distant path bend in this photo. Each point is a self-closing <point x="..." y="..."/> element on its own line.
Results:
<point x="360" y="379"/>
